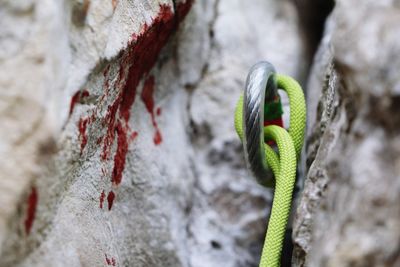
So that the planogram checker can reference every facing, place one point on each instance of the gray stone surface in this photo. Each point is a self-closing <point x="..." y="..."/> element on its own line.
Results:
<point x="117" y="144"/>
<point x="349" y="213"/>
<point x="78" y="122"/>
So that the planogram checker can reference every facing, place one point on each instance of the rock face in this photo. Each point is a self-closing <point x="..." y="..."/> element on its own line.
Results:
<point x="349" y="213"/>
<point x="117" y="140"/>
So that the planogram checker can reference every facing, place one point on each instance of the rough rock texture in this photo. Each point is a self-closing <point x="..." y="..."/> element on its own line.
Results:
<point x="117" y="140"/>
<point x="349" y="214"/>
<point x="117" y="145"/>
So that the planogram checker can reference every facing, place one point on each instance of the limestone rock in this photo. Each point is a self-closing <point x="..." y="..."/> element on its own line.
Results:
<point x="117" y="138"/>
<point x="349" y="213"/>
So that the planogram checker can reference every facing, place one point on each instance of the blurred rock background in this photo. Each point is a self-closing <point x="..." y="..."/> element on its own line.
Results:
<point x="117" y="143"/>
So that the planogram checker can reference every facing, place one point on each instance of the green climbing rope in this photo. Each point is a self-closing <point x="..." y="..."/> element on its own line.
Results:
<point x="283" y="165"/>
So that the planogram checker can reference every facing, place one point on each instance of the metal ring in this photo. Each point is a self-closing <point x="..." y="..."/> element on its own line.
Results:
<point x="261" y="86"/>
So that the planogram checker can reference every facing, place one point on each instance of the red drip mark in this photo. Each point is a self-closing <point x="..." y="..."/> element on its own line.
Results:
<point x="110" y="261"/>
<point x="102" y="197"/>
<point x="147" y="97"/>
<point x="133" y="136"/>
<point x="110" y="121"/>
<point x="77" y="97"/>
<point x="157" y="139"/>
<point x="110" y="199"/>
<point x="147" y="94"/>
<point x="145" y="51"/>
<point x="83" y="122"/>
<point x="120" y="154"/>
<point x="158" y="111"/>
<point x="136" y="64"/>
<point x="31" y="210"/>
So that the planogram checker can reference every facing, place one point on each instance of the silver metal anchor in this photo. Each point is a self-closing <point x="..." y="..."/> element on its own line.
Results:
<point x="260" y="86"/>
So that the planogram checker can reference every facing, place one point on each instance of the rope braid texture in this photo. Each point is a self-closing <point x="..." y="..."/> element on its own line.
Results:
<point x="283" y="165"/>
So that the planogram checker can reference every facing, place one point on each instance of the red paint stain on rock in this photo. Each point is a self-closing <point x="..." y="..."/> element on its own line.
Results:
<point x="82" y="125"/>
<point x="120" y="154"/>
<point x="158" y="111"/>
<point x="144" y="53"/>
<point x="31" y="209"/>
<point x="147" y="94"/>
<point x="102" y="197"/>
<point x="110" y="261"/>
<point x="157" y="139"/>
<point x="133" y="136"/>
<point x="110" y="122"/>
<point x="148" y="99"/>
<point x="145" y="50"/>
<point x="110" y="199"/>
<point x="136" y="64"/>
<point x="77" y="98"/>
